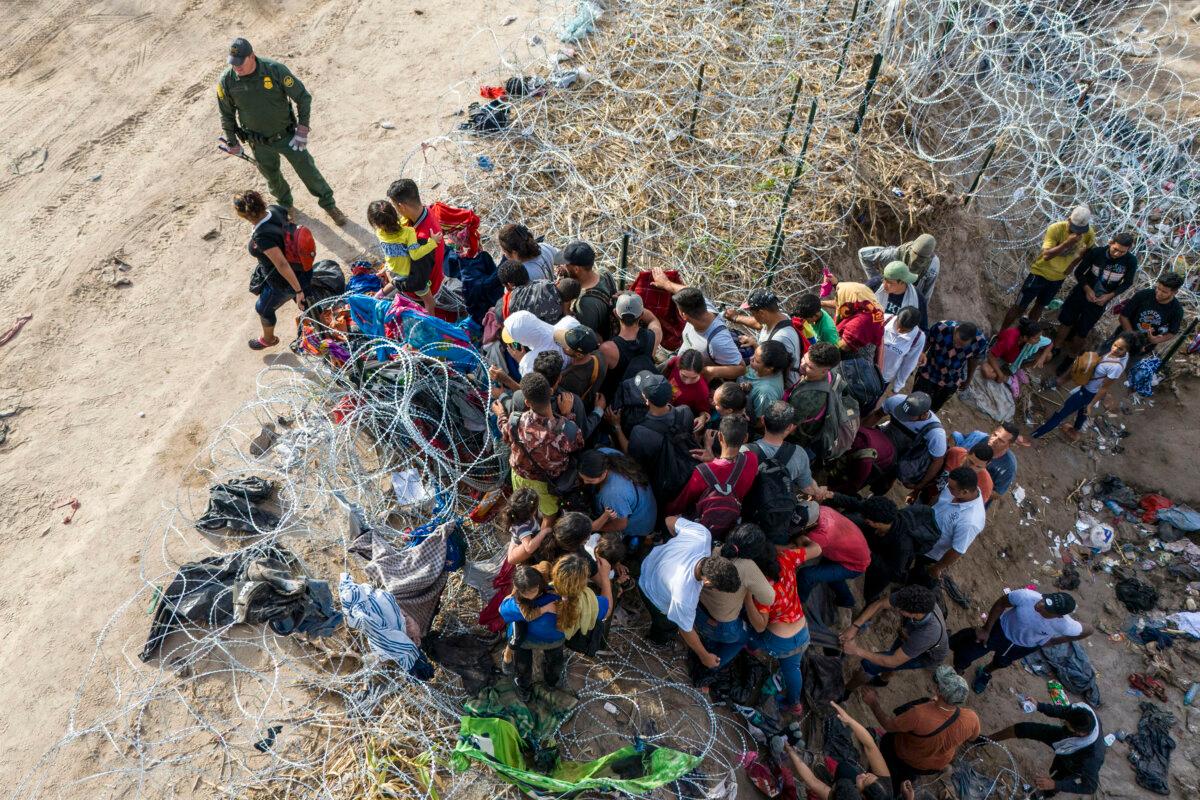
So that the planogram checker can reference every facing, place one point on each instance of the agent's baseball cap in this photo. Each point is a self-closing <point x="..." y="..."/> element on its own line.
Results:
<point x="654" y="387"/>
<point x="239" y="48"/>
<point x="1059" y="603"/>
<point x="629" y="306"/>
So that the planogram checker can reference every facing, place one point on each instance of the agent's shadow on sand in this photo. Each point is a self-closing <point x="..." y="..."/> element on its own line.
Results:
<point x="345" y="243"/>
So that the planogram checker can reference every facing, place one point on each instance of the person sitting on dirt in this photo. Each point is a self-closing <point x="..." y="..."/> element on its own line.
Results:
<point x="540" y="440"/>
<point x="1154" y="312"/>
<point x="1014" y="347"/>
<point x="1003" y="466"/>
<point x="772" y="325"/>
<point x="922" y="643"/>
<point x="1018" y="624"/>
<point x="895" y="292"/>
<point x="850" y="780"/>
<point x="596" y="288"/>
<point x="919" y="256"/>
<point x="519" y="246"/>
<point x="672" y="578"/>
<point x="284" y="281"/>
<point x="903" y="344"/>
<point x="631" y="348"/>
<point x="1062" y="246"/>
<point x="844" y="552"/>
<point x="722" y="617"/>
<point x="977" y="458"/>
<point x="1079" y="747"/>
<point x="960" y="517"/>
<point x="707" y="332"/>
<point x="1102" y="274"/>
<point x="1083" y="398"/>
<point x="924" y="735"/>
<point x="407" y="259"/>
<point x="623" y="501"/>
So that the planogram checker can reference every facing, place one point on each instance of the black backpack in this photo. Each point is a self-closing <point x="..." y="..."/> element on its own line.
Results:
<point x="672" y="469"/>
<point x="640" y="353"/>
<point x="912" y="451"/>
<point x="770" y="503"/>
<point x="863" y="380"/>
<point x="922" y="528"/>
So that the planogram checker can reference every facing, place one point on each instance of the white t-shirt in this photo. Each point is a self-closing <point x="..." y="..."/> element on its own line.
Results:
<point x="1024" y="626"/>
<point x="535" y="334"/>
<point x="1107" y="368"/>
<point x="668" y="576"/>
<point x="959" y="523"/>
<point x="901" y="352"/>
<point x="723" y="348"/>
<point x="931" y="430"/>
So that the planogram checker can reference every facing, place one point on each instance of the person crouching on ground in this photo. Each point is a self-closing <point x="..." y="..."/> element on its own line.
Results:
<point x="284" y="281"/>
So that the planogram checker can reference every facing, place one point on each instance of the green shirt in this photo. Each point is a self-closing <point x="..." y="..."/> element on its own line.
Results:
<point x="826" y="330"/>
<point x="262" y="101"/>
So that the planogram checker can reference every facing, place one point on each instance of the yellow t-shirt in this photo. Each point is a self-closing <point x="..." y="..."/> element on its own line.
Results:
<point x="1055" y="269"/>
<point x="401" y="248"/>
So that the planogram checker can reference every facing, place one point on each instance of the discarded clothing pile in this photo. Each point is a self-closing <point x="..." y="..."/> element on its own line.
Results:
<point x="1137" y="596"/>
<point x="1150" y="748"/>
<point x="377" y="614"/>
<point x="635" y="769"/>
<point x="740" y="681"/>
<point x="467" y="655"/>
<point x="415" y="576"/>
<point x="536" y="720"/>
<point x="1069" y="662"/>
<point x="236" y="505"/>
<point x="257" y="584"/>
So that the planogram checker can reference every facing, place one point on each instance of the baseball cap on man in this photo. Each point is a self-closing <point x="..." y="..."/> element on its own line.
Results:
<point x="579" y="254"/>
<point x="654" y="387"/>
<point x="581" y="339"/>
<point x="1059" y="603"/>
<point x="761" y="300"/>
<point x="629" y="306"/>
<point x="899" y="271"/>
<point x="239" y="49"/>
<point x="1080" y="219"/>
<point x="915" y="406"/>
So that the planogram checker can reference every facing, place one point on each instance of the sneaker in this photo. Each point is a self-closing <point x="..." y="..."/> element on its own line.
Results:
<point x="337" y="216"/>
<point x="982" y="679"/>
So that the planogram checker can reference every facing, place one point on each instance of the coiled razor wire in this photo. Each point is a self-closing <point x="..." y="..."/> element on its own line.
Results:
<point x="739" y="142"/>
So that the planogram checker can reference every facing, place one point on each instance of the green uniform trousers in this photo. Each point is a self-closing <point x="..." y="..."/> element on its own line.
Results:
<point x="267" y="155"/>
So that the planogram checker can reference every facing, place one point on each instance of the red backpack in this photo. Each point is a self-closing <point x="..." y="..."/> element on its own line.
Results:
<point x="717" y="509"/>
<point x="299" y="246"/>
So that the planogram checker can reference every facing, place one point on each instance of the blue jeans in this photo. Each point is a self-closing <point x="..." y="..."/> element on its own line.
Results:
<point x="1077" y="404"/>
<point x="828" y="572"/>
<point x="273" y="297"/>
<point x="789" y="653"/>
<point x="723" y="639"/>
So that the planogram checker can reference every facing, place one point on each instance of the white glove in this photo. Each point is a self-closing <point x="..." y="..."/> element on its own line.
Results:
<point x="299" y="140"/>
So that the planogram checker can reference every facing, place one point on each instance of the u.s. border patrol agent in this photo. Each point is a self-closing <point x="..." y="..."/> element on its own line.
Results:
<point x="255" y="97"/>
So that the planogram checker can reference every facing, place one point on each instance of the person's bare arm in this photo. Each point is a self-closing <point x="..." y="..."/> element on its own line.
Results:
<point x="756" y="618"/>
<point x="653" y="325"/>
<point x="814" y="784"/>
<point x="285" y="270"/>
<point x="875" y="761"/>
<point x="944" y="563"/>
<point x="729" y="373"/>
<point x="871" y="699"/>
<point x="935" y="469"/>
<point x="1102" y="393"/>
<point x="522" y="551"/>
<point x="1087" y="630"/>
<point x="692" y="640"/>
<point x="993" y="615"/>
<point x="661" y="280"/>
<point x="860" y="623"/>
<point x="604" y="582"/>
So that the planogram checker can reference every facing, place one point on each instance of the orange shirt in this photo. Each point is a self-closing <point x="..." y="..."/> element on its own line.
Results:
<point x="956" y="457"/>
<point x="919" y="750"/>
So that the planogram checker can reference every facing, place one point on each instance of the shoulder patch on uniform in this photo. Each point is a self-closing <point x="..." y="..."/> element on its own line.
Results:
<point x="289" y="81"/>
<point x="220" y="92"/>
<point x="267" y="84"/>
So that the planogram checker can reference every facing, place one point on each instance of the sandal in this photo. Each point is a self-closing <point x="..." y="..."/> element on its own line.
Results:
<point x="260" y="344"/>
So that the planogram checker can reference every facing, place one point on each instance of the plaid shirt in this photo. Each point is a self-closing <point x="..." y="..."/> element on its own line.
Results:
<point x="945" y="364"/>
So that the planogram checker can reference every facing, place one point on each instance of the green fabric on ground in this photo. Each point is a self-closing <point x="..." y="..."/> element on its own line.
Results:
<point x="492" y="740"/>
<point x="536" y="720"/>
<point x="660" y="765"/>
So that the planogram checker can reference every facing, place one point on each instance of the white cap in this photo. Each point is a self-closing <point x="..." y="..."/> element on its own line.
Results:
<point x="1080" y="219"/>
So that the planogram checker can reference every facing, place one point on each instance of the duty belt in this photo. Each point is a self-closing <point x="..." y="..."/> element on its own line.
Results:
<point x="253" y="137"/>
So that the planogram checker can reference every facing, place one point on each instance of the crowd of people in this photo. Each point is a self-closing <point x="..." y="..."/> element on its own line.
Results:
<point x="716" y="467"/>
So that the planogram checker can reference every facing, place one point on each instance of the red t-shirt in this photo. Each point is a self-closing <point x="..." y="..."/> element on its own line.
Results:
<point x="695" y="396"/>
<point x="841" y="541"/>
<point x="427" y="227"/>
<point x="786" y="607"/>
<point x="721" y="468"/>
<point x="1008" y="345"/>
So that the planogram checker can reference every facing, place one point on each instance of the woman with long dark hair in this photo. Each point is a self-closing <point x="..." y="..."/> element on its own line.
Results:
<point x="518" y="244"/>
<point x="624" y="500"/>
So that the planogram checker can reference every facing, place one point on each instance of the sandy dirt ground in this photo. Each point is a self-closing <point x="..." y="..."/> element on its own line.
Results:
<point x="119" y="386"/>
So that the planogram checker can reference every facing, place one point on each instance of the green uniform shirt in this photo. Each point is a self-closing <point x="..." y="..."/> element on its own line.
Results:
<point x="262" y="101"/>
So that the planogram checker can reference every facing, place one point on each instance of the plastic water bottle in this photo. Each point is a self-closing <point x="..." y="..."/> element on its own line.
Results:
<point x="1027" y="703"/>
